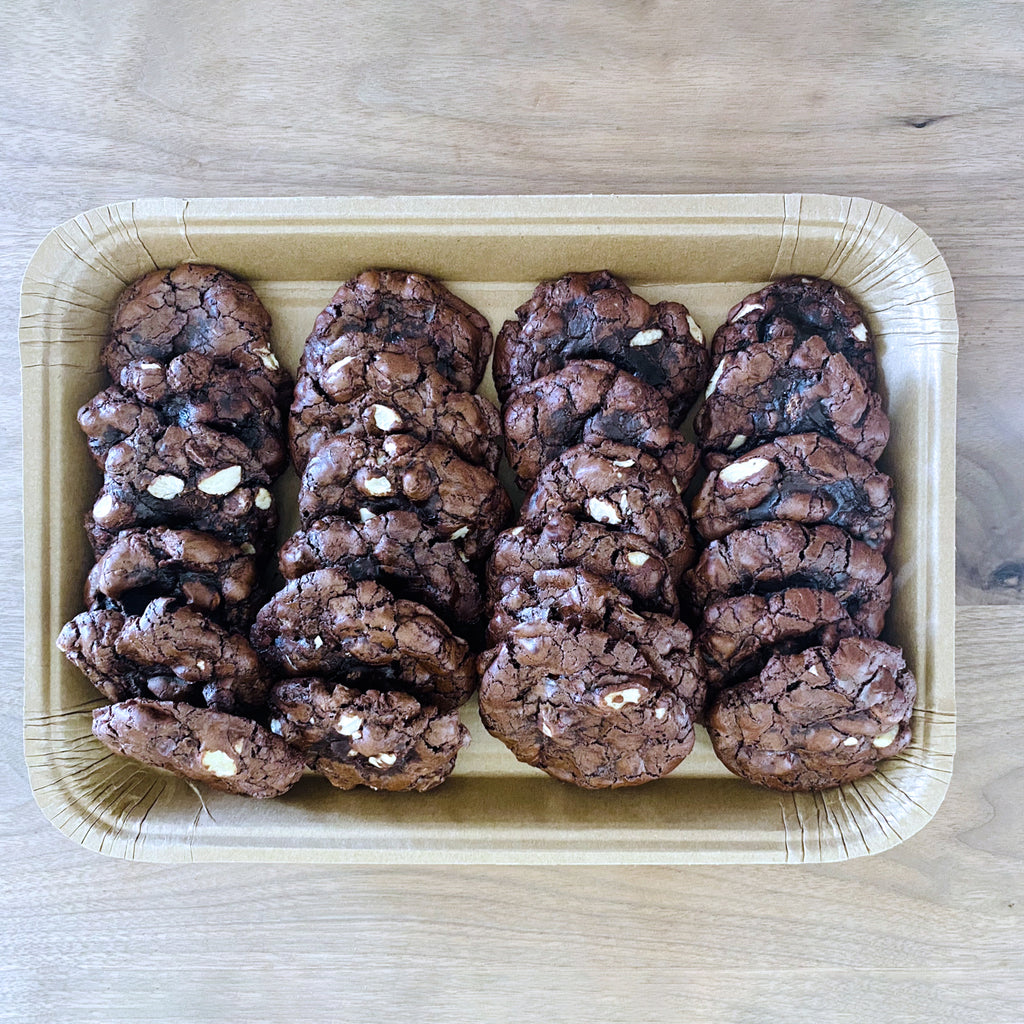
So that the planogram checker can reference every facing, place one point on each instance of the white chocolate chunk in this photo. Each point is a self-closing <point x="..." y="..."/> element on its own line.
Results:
<point x="390" y="446"/>
<point x="224" y="481"/>
<point x="715" y="378"/>
<point x="264" y="499"/>
<point x="620" y="698"/>
<point x="738" y="441"/>
<point x="219" y="763"/>
<point x="517" y="531"/>
<point x="643" y="338"/>
<point x="603" y="512"/>
<point x="318" y="642"/>
<point x="383" y="760"/>
<point x="850" y="741"/>
<point x="638" y="558"/>
<point x="385" y="418"/>
<point x="623" y="463"/>
<point x="349" y="725"/>
<point x="660" y="713"/>
<point x="695" y="332"/>
<point x="377" y="485"/>
<point x="860" y="332"/>
<point x="103" y="508"/>
<point x="237" y="746"/>
<point x="269" y="360"/>
<point x="275" y="726"/>
<point x="147" y="365"/>
<point x="166" y="487"/>
<point x="546" y="729"/>
<point x="200" y="664"/>
<point x="737" y="471"/>
<point x="460" y="533"/>
<point x="365" y="515"/>
<point x="886" y="738"/>
<point x="813" y="670"/>
<point x="750" y="307"/>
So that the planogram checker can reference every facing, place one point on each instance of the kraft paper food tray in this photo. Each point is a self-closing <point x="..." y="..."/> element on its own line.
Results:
<point x="707" y="251"/>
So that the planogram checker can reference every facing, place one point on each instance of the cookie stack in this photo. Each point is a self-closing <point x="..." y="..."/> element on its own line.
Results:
<point x="793" y="585"/>
<point x="590" y="675"/>
<point x="400" y="506"/>
<point x="190" y="439"/>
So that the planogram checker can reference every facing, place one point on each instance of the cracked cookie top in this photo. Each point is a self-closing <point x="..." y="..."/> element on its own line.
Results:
<point x="583" y="706"/>
<point x="788" y="386"/>
<point x="400" y="311"/>
<point x="383" y="740"/>
<point x="818" y="718"/>
<point x="804" y="478"/>
<point x="618" y="487"/>
<point x="224" y="751"/>
<point x="356" y="632"/>
<point x="397" y="550"/>
<point x="798" y="307"/>
<point x="595" y="316"/>
<point x="194" y="307"/>
<point x="589" y="401"/>
<point x="168" y="652"/>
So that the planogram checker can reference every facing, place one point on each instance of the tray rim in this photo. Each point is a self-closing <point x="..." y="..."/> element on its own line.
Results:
<point x="331" y="215"/>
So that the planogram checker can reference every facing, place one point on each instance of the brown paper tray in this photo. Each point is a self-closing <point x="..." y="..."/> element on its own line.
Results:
<point x="707" y="251"/>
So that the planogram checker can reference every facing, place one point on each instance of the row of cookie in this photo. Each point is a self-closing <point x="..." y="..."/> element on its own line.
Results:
<point x="399" y="503"/>
<point x="793" y="585"/>
<point x="590" y="675"/>
<point x="190" y="438"/>
<point x="396" y="454"/>
<point x="190" y="433"/>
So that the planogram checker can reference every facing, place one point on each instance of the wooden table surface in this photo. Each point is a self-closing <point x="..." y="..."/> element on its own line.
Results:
<point x="918" y="105"/>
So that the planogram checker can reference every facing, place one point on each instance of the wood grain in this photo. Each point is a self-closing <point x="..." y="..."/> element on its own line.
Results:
<point x="918" y="105"/>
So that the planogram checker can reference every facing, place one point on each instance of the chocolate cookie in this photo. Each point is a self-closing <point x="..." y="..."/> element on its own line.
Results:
<point x="739" y="634"/>
<point x="224" y="751"/>
<point x="379" y="393"/>
<point x="326" y="624"/>
<point x="192" y="389"/>
<point x="395" y="549"/>
<point x="595" y="316"/>
<point x="618" y="487"/>
<point x="210" y="574"/>
<point x="589" y="401"/>
<point x="804" y="478"/>
<point x="788" y="386"/>
<point x="818" y="718"/>
<point x="194" y="477"/>
<point x="583" y="707"/>
<point x="799" y="307"/>
<point x="89" y="641"/>
<point x="199" y="308"/>
<point x="580" y="600"/>
<point x="632" y="564"/>
<point x="777" y="555"/>
<point x="385" y="740"/>
<point x="168" y="652"/>
<point x="360" y="477"/>
<point x="398" y="311"/>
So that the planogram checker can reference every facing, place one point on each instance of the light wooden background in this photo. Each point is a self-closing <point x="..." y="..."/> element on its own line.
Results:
<point x="918" y="104"/>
